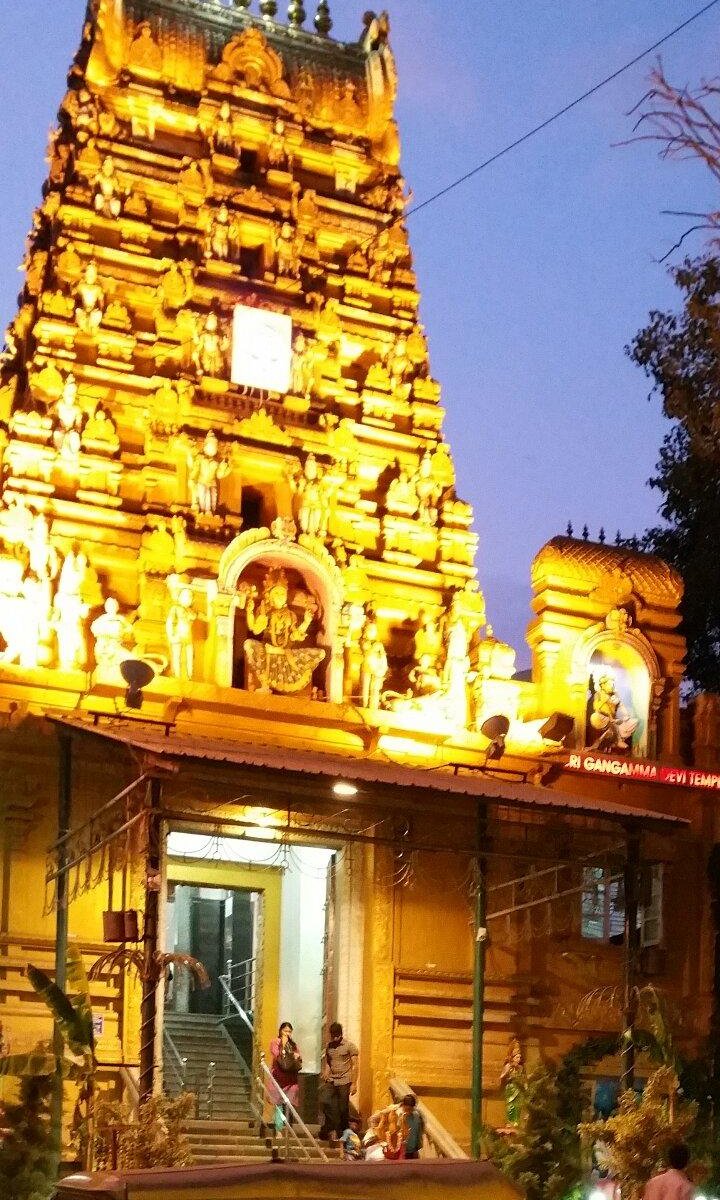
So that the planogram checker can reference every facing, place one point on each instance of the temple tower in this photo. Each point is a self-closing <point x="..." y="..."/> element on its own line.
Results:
<point x="222" y="452"/>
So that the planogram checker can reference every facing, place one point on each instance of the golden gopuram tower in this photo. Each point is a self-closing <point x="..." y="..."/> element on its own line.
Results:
<point x="238" y="592"/>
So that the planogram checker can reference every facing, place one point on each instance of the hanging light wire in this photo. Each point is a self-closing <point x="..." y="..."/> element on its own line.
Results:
<point x="531" y="133"/>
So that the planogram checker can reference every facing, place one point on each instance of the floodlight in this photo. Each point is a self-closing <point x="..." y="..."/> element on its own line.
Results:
<point x="495" y="729"/>
<point x="557" y="727"/>
<point x="137" y="674"/>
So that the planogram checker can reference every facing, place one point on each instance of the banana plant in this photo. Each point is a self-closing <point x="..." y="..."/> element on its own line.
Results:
<point x="72" y="1012"/>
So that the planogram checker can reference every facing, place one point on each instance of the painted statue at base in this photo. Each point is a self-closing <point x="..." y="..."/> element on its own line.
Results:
<point x="610" y="717"/>
<point x="512" y="1079"/>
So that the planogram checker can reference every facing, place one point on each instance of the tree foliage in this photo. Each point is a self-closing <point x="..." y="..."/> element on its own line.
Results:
<point x="680" y="352"/>
<point x="154" y="1137"/>
<point x="543" y="1157"/>
<point x="638" y="1135"/>
<point x="28" y="1155"/>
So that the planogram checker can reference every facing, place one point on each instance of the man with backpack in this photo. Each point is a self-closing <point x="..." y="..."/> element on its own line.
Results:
<point x="339" y="1082"/>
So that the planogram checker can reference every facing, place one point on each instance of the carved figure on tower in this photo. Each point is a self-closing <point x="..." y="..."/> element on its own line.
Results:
<point x="90" y="300"/>
<point x="113" y="635"/>
<point x="100" y="433"/>
<point x="374" y="668"/>
<point x="428" y="646"/>
<point x="402" y="497"/>
<point x="68" y="416"/>
<point x="179" y="630"/>
<point x="220" y="235"/>
<point x="276" y="152"/>
<point x="210" y="347"/>
<point x="287" y="253"/>
<point x="279" y="622"/>
<point x="222" y="140"/>
<point x="306" y="366"/>
<point x="70" y="611"/>
<point x="315" y="487"/>
<point x="107" y="198"/>
<point x="207" y="469"/>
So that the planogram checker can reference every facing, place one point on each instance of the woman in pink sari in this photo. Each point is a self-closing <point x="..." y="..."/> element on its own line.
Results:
<point x="285" y="1064"/>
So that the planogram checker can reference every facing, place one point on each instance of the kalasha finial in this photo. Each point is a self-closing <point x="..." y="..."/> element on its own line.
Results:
<point x="323" y="20"/>
<point x="296" y="14"/>
<point x="243" y="5"/>
<point x="268" y="9"/>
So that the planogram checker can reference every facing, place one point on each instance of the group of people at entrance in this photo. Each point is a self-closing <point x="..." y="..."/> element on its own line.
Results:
<point x="392" y="1134"/>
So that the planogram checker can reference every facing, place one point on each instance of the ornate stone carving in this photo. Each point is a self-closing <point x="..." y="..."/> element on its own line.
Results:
<point x="90" y="301"/>
<point x="144" y="55"/>
<point x="113" y="636"/>
<point x="210" y="347"/>
<point x="249" y="58"/>
<point x="206" y="470"/>
<point x="374" y="666"/>
<point x="179" y="630"/>
<point x="107" y="195"/>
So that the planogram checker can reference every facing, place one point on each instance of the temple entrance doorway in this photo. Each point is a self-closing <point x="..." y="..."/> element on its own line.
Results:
<point x="255" y="914"/>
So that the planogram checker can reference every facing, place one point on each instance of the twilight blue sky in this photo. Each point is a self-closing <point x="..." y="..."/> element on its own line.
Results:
<point x="534" y="275"/>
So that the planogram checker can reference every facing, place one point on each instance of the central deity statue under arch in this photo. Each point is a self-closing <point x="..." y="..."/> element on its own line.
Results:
<point x="275" y="659"/>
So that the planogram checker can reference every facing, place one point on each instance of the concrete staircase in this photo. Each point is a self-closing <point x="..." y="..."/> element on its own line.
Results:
<point x="202" y="1039"/>
<point x="225" y="1129"/>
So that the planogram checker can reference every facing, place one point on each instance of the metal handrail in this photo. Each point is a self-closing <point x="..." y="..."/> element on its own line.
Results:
<point x="244" y="972"/>
<point x="288" y="1108"/>
<point x="179" y="1066"/>
<point x="442" y="1142"/>
<point x="274" y="1093"/>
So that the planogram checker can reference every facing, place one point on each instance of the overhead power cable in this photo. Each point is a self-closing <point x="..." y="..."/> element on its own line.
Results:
<point x="525" y="137"/>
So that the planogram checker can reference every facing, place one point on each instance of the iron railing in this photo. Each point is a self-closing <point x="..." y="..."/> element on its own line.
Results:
<point x="437" y="1142"/>
<point x="265" y="1092"/>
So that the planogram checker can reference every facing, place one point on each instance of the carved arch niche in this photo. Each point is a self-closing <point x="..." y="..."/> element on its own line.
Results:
<point x="255" y="552"/>
<point x="249" y="61"/>
<point x="618" y="649"/>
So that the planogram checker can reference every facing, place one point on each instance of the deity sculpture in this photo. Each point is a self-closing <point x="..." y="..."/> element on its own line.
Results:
<point x="179" y="630"/>
<point x="277" y="663"/>
<point x="315" y="487"/>
<point x="67" y="412"/>
<point x="276" y="153"/>
<point x="374" y="668"/>
<point x="210" y="347"/>
<point x="428" y="645"/>
<point x="306" y="366"/>
<point x="220" y="234"/>
<point x="428" y="490"/>
<point x="176" y="286"/>
<point x="512" y="1079"/>
<point x="457" y="666"/>
<point x="402" y="497"/>
<point x="221" y="138"/>
<point x="107" y="199"/>
<point x="43" y="558"/>
<point x="113" y="635"/>
<point x="287" y="257"/>
<point x="611" y="717"/>
<point x="70" y="611"/>
<point x="90" y="304"/>
<point x="207" y="469"/>
<point x="100" y="433"/>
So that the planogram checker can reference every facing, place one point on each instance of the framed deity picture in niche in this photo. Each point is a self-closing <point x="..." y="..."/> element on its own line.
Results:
<point x="261" y="349"/>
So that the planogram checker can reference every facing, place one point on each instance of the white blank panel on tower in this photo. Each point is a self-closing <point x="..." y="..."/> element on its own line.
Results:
<point x="261" y="349"/>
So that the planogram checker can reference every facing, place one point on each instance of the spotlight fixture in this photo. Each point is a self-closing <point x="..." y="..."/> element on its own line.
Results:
<point x="137" y="674"/>
<point x="343" y="789"/>
<point x="495" y="730"/>
<point x="557" y="728"/>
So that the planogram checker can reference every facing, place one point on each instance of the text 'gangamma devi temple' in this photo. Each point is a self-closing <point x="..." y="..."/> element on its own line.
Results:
<point x="251" y="708"/>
